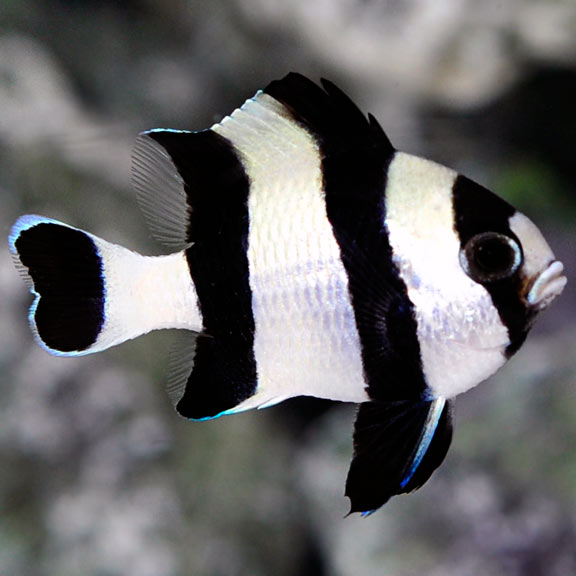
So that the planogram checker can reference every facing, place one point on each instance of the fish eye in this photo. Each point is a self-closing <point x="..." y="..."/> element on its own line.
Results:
<point x="490" y="256"/>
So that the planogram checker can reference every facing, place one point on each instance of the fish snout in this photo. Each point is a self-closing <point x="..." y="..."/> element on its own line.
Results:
<point x="546" y="286"/>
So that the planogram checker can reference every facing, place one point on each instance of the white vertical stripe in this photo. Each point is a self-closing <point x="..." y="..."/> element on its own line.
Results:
<point x="306" y="342"/>
<point x="144" y="293"/>
<point x="461" y="336"/>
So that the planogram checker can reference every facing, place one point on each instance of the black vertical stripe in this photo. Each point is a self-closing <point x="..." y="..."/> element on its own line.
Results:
<point x="478" y="210"/>
<point x="217" y="189"/>
<point x="356" y="155"/>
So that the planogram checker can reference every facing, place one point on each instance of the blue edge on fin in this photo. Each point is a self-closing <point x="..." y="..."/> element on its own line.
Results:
<point x="207" y="418"/>
<point x="397" y="447"/>
<point x="426" y="439"/>
<point x="427" y="435"/>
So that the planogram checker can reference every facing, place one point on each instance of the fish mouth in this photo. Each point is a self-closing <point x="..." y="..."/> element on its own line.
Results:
<point x="546" y="286"/>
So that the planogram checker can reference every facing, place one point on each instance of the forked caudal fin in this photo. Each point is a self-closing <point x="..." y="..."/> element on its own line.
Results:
<point x="397" y="447"/>
<point x="65" y="269"/>
<point x="91" y="294"/>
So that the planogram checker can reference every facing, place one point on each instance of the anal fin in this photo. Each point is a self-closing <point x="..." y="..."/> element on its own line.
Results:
<point x="397" y="447"/>
<point x="210" y="376"/>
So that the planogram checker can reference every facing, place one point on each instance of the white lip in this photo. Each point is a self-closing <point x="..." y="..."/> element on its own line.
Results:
<point x="547" y="286"/>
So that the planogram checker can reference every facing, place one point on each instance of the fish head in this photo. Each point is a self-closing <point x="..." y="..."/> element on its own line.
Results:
<point x="519" y="270"/>
<point x="477" y="271"/>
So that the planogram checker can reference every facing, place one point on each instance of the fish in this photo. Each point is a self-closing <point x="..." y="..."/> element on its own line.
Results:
<point x="306" y="256"/>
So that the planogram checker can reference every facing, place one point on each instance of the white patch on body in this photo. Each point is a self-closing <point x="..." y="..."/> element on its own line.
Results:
<point x="144" y="293"/>
<point x="306" y="341"/>
<point x="462" y="338"/>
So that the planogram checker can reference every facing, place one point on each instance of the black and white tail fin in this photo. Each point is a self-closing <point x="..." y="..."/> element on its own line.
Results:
<point x="91" y="294"/>
<point x="64" y="269"/>
<point x="397" y="447"/>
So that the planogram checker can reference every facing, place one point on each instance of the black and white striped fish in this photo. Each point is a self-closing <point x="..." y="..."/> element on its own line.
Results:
<point x="309" y="257"/>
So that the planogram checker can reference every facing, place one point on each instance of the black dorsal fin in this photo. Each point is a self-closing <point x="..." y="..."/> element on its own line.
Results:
<point x="397" y="447"/>
<point x="175" y="173"/>
<point x="329" y="113"/>
<point x="170" y="166"/>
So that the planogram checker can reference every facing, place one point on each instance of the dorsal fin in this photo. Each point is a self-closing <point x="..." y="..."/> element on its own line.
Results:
<point x="160" y="191"/>
<point x="329" y="113"/>
<point x="175" y="172"/>
<point x="164" y="162"/>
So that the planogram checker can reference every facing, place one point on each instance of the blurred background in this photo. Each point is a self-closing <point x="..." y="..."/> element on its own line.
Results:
<point x="98" y="476"/>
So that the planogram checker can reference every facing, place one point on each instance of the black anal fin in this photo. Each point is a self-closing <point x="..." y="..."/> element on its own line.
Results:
<point x="220" y="379"/>
<point x="397" y="447"/>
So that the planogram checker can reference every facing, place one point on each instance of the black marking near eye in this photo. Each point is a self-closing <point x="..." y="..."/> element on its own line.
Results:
<point x="356" y="155"/>
<point x="478" y="211"/>
<point x="217" y="189"/>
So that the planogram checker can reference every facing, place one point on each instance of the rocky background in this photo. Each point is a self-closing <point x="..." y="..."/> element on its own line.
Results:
<point x="98" y="476"/>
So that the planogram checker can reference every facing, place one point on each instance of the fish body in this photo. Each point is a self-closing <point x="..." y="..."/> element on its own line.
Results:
<point x="308" y="257"/>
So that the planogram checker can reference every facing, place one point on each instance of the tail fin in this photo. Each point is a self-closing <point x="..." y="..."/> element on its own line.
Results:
<point x="91" y="294"/>
<point x="64" y="268"/>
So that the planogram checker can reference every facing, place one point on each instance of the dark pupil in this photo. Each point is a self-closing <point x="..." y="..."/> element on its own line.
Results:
<point x="494" y="255"/>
